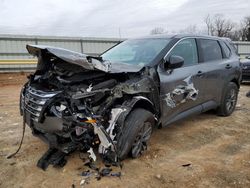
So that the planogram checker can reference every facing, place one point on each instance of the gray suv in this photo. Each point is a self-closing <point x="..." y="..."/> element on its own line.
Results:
<point x="112" y="102"/>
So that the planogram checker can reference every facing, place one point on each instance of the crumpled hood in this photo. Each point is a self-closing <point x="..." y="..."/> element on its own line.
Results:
<point x="82" y="59"/>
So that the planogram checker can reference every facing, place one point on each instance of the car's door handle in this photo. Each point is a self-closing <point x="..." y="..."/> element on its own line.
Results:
<point x="200" y="73"/>
<point x="228" y="66"/>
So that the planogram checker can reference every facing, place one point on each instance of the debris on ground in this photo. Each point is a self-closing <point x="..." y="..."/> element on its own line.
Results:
<point x="97" y="173"/>
<point x="105" y="171"/>
<point x="91" y="165"/>
<point x="186" y="165"/>
<point x="86" y="173"/>
<point x="248" y="94"/>
<point x="116" y="174"/>
<point x="158" y="176"/>
<point x="82" y="182"/>
<point x="54" y="157"/>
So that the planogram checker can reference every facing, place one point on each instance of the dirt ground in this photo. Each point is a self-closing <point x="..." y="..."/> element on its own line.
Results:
<point x="217" y="149"/>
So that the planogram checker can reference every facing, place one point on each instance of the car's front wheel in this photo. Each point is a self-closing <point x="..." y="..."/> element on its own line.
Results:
<point x="229" y="100"/>
<point x="135" y="134"/>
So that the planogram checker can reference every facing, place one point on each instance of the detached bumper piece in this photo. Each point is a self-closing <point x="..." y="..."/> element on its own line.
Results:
<point x="53" y="157"/>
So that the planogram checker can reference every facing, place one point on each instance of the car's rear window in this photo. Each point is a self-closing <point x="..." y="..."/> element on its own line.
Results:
<point x="211" y="50"/>
<point x="226" y="50"/>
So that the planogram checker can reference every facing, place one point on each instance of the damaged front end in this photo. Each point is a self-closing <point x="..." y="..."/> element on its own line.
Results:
<point x="77" y="102"/>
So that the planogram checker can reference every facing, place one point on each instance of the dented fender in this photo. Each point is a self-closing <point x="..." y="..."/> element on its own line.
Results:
<point x="136" y="102"/>
<point x="140" y="102"/>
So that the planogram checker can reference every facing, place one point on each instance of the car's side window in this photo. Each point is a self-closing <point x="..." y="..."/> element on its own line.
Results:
<point x="211" y="50"/>
<point x="226" y="50"/>
<point x="187" y="49"/>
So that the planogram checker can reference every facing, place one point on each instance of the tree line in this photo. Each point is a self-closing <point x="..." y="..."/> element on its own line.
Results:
<point x="217" y="25"/>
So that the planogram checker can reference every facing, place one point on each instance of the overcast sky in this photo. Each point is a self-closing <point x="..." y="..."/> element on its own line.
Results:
<point x="103" y="18"/>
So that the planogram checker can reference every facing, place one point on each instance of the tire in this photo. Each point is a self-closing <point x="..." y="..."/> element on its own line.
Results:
<point x="135" y="134"/>
<point x="229" y="100"/>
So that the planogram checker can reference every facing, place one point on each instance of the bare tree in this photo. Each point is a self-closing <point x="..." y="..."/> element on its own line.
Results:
<point x="218" y="25"/>
<point x="208" y="21"/>
<point x="235" y="35"/>
<point x="222" y="26"/>
<point x="245" y="29"/>
<point x="157" y="30"/>
<point x="191" y="29"/>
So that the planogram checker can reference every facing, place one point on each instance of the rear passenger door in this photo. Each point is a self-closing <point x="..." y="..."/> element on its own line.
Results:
<point x="214" y="68"/>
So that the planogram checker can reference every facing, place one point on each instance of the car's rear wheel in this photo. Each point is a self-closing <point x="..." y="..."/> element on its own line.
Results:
<point x="229" y="100"/>
<point x="135" y="134"/>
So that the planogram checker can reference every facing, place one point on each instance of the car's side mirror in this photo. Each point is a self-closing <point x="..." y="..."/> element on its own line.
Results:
<point x="173" y="62"/>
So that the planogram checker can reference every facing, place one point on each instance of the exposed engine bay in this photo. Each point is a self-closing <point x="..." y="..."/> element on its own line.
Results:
<point x="77" y="102"/>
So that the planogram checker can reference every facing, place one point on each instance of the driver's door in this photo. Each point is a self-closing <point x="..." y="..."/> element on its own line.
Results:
<point x="180" y="88"/>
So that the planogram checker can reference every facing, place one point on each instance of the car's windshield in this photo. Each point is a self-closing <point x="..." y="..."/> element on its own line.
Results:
<point x="136" y="51"/>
